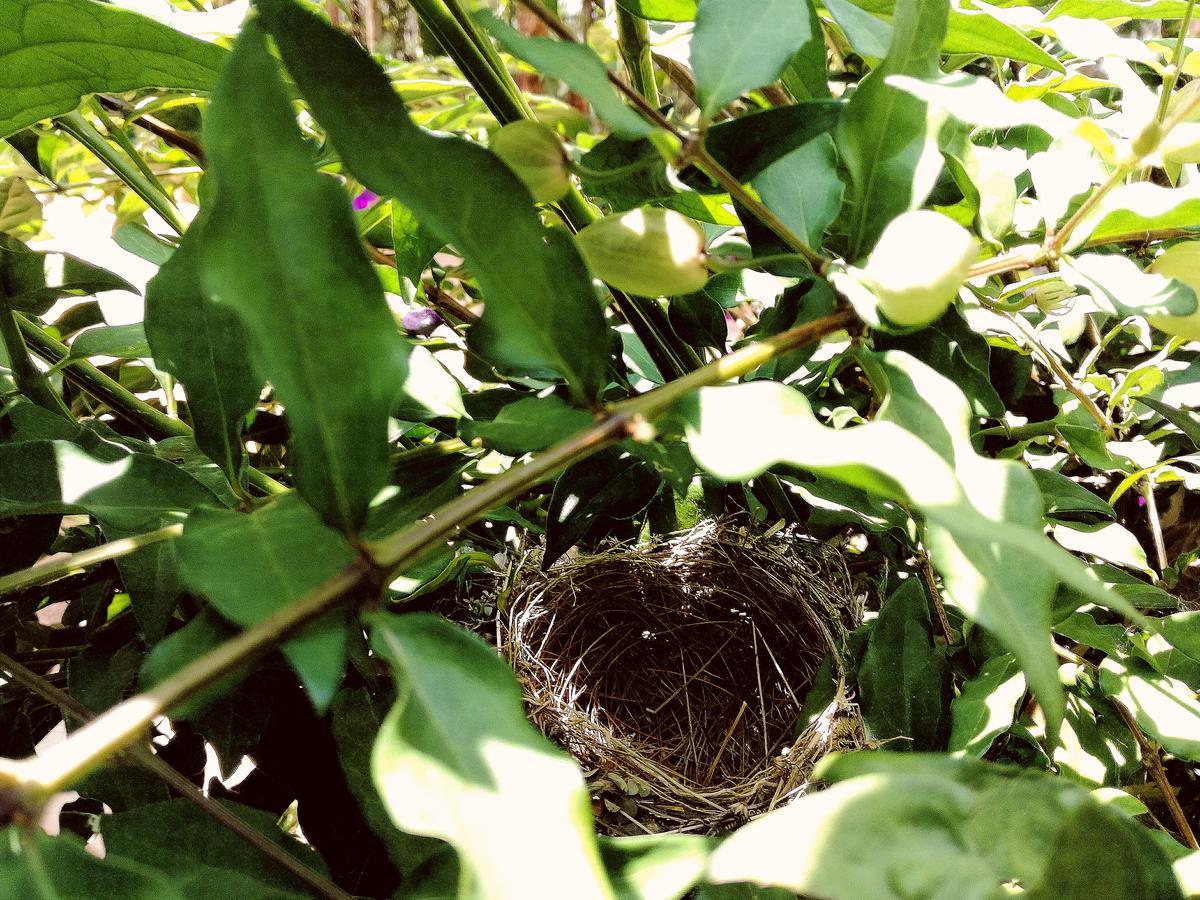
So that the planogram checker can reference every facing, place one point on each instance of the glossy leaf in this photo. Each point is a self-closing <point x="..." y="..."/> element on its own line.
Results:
<point x="884" y="137"/>
<point x="206" y="347"/>
<point x="749" y="144"/>
<point x="1134" y="209"/>
<point x="986" y="706"/>
<point x="251" y="566"/>
<point x="53" y="52"/>
<point x="120" y="341"/>
<point x="529" y="424"/>
<point x="1164" y="707"/>
<point x="456" y="759"/>
<point x="803" y="189"/>
<point x="302" y="286"/>
<point x="980" y="32"/>
<point x="541" y="312"/>
<point x="736" y="47"/>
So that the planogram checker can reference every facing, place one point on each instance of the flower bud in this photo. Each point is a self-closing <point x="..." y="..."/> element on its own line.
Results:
<point x="916" y="269"/>
<point x="536" y="156"/>
<point x="420" y="322"/>
<point x="650" y="252"/>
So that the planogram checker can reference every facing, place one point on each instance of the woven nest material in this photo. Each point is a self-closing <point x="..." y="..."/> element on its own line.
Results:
<point x="674" y="671"/>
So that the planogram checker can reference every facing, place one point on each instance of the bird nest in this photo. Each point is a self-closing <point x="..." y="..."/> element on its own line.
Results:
<point x="675" y="671"/>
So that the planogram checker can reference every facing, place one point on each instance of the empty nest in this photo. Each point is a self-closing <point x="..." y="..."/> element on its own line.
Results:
<point x="675" y="671"/>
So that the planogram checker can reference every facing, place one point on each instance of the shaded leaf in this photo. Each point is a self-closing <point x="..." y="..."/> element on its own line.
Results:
<point x="58" y="868"/>
<point x="120" y="341"/>
<point x="541" y="313"/>
<point x="529" y="424"/>
<point x="301" y="284"/>
<point x="251" y="566"/>
<point x="749" y="144"/>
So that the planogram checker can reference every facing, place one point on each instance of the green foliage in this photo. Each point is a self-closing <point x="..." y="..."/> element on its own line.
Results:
<point x="917" y="279"/>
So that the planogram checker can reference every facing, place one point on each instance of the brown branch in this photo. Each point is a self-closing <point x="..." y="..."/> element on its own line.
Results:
<point x="1153" y="764"/>
<point x="159" y="129"/>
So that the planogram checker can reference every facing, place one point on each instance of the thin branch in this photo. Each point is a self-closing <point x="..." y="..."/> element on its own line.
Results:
<point x="167" y="134"/>
<point x="1155" y="523"/>
<point x="123" y="401"/>
<point x="143" y="757"/>
<point x="1067" y="379"/>
<point x="1164" y="99"/>
<point x="1153" y="764"/>
<point x="633" y="36"/>
<point x="931" y="582"/>
<point x="52" y="569"/>
<point x="28" y="783"/>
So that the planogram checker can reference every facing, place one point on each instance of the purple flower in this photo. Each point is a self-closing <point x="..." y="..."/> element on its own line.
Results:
<point x="421" y="322"/>
<point x="365" y="199"/>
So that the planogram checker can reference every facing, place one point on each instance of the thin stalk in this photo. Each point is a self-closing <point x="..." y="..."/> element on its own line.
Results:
<point x="31" y="781"/>
<point x="1021" y="432"/>
<point x="31" y="381"/>
<point x="1153" y="764"/>
<point x="633" y="36"/>
<point x="1067" y="379"/>
<point x="167" y="134"/>
<point x="123" y="401"/>
<point x="463" y="16"/>
<point x="1172" y="78"/>
<point x="498" y="93"/>
<point x="1155" y="523"/>
<point x="143" y="757"/>
<point x="1117" y="178"/>
<point x="121" y="139"/>
<point x="53" y="569"/>
<point x="74" y="124"/>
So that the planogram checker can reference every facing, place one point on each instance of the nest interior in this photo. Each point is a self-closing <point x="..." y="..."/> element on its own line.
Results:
<point x="675" y="670"/>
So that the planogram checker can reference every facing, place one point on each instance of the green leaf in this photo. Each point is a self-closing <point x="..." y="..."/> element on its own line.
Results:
<point x="979" y="32"/>
<point x="120" y="341"/>
<point x="205" y="346"/>
<point x="904" y="679"/>
<point x="18" y="204"/>
<point x="129" y="493"/>
<point x="613" y="483"/>
<point x="541" y="312"/>
<point x="869" y="36"/>
<point x="456" y="759"/>
<point x="978" y="101"/>
<point x="884" y="137"/>
<point x="528" y="425"/>
<point x="39" y="867"/>
<point x="986" y="706"/>
<point x="358" y="716"/>
<point x="983" y="516"/>
<point x="804" y="190"/>
<point x="1164" y="707"/>
<point x="25" y="277"/>
<point x="53" y="52"/>
<point x="280" y="250"/>
<point x="654" y="867"/>
<point x="1119" y="9"/>
<point x="577" y="65"/>
<point x="203" y="858"/>
<point x="736" y="47"/>
<point x="661" y="10"/>
<point x="913" y="825"/>
<point x="413" y="242"/>
<point x="1182" y="631"/>
<point x="251" y="566"/>
<point x="1131" y="210"/>
<point x="1118" y="284"/>
<point x="749" y="144"/>
<point x="1186" y="421"/>
<point x="1067" y="500"/>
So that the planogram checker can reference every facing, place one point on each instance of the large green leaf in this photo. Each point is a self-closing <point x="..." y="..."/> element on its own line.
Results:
<point x="457" y="759"/>
<point x="661" y="10"/>
<point x="53" y="52"/>
<point x="204" y="859"/>
<point x="280" y="249"/>
<point x="928" y="826"/>
<point x="34" y="279"/>
<point x="130" y="492"/>
<point x="1164" y="707"/>
<point x="251" y="566"/>
<point x="36" y="866"/>
<point x="1120" y="9"/>
<point x="541" y="314"/>
<point x="979" y="32"/>
<point x="904" y="679"/>
<point x="884" y="136"/>
<point x="738" y="46"/>
<point x="983" y="516"/>
<point x="205" y="346"/>
<point x="986" y="705"/>
<point x="1131" y="210"/>
<point x="749" y="144"/>
<point x="803" y="189"/>
<point x="577" y="65"/>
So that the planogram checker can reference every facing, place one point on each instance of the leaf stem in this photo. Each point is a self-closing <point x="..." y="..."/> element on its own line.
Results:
<point x="74" y="124"/>
<point x="1172" y="78"/>
<point x="143" y="757"/>
<point x="36" y="778"/>
<point x="31" y="380"/>
<point x="633" y="36"/>
<point x="52" y="569"/>
<point x="87" y="377"/>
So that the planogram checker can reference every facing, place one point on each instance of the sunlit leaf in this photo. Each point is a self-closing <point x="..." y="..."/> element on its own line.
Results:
<point x="456" y="759"/>
<point x="986" y="706"/>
